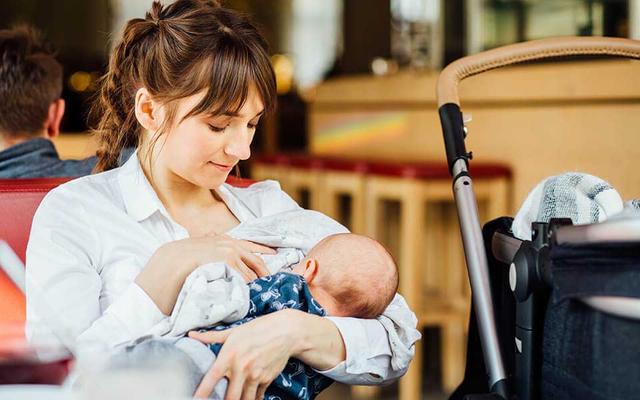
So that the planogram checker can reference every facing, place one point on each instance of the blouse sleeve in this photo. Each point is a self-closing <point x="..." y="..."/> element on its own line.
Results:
<point x="64" y="284"/>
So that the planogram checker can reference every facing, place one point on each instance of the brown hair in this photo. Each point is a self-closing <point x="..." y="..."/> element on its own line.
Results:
<point x="30" y="80"/>
<point x="175" y="52"/>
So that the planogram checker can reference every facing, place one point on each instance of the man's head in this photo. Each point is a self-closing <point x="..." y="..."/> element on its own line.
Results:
<point x="30" y="87"/>
<point x="350" y="275"/>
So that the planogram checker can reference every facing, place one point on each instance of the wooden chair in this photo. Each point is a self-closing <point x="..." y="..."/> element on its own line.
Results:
<point x="429" y="255"/>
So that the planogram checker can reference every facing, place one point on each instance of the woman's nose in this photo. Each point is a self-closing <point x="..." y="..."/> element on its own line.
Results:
<point x="239" y="147"/>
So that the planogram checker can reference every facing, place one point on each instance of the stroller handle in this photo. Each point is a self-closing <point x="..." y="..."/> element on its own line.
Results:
<point x="447" y="89"/>
<point x="454" y="134"/>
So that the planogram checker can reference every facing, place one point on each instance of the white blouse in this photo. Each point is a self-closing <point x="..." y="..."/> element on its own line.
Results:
<point x="92" y="236"/>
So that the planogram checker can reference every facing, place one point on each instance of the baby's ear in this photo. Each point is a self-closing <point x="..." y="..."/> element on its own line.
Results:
<point x="310" y="269"/>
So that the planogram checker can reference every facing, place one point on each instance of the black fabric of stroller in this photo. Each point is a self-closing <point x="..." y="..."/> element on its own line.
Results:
<point x="606" y="269"/>
<point x="588" y="354"/>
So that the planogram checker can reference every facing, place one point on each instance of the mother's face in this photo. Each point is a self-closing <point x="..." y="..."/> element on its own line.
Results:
<point x="204" y="149"/>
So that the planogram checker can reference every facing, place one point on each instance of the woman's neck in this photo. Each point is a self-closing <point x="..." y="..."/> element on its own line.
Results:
<point x="175" y="193"/>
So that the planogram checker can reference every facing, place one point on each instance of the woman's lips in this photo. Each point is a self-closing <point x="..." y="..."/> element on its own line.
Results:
<point x="222" y="167"/>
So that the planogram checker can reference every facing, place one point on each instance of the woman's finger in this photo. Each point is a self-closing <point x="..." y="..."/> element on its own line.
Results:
<point x="256" y="248"/>
<point x="262" y="390"/>
<point x="255" y="263"/>
<point x="211" y="336"/>
<point x="250" y="390"/>
<point x="211" y="379"/>
<point x="236" y="383"/>
<point x="247" y="273"/>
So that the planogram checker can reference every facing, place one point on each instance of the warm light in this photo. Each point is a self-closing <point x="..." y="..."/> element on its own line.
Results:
<point x="283" y="68"/>
<point x="80" y="81"/>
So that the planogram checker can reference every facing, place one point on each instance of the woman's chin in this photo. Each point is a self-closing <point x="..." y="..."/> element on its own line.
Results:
<point x="213" y="181"/>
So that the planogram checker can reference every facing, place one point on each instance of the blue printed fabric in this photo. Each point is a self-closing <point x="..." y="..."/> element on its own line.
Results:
<point x="273" y="293"/>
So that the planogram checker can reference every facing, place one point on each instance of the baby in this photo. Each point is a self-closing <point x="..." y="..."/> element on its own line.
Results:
<point x="344" y="275"/>
<point x="350" y="275"/>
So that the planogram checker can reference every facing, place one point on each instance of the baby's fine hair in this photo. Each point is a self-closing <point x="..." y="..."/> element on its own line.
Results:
<point x="177" y="51"/>
<point x="363" y="277"/>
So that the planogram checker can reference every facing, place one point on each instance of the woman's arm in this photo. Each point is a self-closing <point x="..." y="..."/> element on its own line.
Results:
<point x="378" y="350"/>
<point x="64" y="284"/>
<point x="255" y="353"/>
<point x="166" y="271"/>
<point x="349" y="350"/>
<point x="318" y="342"/>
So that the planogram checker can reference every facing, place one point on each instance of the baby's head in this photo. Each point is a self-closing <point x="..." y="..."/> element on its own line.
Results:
<point x="350" y="275"/>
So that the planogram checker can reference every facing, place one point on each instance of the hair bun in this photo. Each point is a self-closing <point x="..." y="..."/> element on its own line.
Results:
<point x="155" y="13"/>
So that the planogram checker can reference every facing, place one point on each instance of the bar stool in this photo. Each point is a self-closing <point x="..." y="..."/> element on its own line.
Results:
<point x="304" y="179"/>
<point x="432" y="276"/>
<point x="297" y="173"/>
<point x="344" y="179"/>
<point x="270" y="166"/>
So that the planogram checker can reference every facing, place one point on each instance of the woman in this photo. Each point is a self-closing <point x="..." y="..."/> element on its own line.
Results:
<point x="108" y="253"/>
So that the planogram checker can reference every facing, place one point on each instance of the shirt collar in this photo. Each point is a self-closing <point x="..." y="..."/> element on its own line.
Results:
<point x="140" y="200"/>
<point x="38" y="147"/>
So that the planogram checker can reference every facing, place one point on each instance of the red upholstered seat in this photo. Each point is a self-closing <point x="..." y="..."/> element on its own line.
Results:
<point x="19" y="199"/>
<point x="416" y="170"/>
<point x="435" y="170"/>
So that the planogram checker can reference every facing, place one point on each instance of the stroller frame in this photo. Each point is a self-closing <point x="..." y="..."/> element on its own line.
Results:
<point x="527" y="258"/>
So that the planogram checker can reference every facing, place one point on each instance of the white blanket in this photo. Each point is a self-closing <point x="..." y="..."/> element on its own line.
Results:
<point x="215" y="293"/>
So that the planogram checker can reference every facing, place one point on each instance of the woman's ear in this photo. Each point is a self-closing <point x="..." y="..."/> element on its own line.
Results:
<point x="310" y="270"/>
<point x="148" y="112"/>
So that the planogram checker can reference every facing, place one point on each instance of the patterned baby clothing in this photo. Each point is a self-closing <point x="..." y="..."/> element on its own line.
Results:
<point x="273" y="293"/>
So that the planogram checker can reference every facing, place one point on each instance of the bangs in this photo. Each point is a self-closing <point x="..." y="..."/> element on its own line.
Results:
<point x="228" y="73"/>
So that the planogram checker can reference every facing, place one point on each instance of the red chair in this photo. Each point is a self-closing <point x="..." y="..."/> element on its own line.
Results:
<point x="19" y="199"/>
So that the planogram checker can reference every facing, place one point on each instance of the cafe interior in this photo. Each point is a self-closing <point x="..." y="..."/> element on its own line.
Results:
<point x="508" y="201"/>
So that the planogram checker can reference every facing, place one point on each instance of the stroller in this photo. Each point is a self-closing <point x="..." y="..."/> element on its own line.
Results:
<point x="557" y="316"/>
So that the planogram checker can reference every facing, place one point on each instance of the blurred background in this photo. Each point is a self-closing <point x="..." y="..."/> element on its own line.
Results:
<point x="356" y="83"/>
<point x="312" y="41"/>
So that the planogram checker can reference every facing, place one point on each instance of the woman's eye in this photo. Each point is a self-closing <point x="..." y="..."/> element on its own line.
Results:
<point x="217" y="128"/>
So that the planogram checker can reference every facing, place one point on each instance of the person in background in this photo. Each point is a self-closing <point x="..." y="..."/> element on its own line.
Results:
<point x="31" y="109"/>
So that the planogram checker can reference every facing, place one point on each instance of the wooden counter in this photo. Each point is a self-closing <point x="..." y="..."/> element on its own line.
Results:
<point x="542" y="119"/>
<point x="75" y="145"/>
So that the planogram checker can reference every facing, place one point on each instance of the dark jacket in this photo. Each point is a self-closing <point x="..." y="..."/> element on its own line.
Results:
<point x="38" y="158"/>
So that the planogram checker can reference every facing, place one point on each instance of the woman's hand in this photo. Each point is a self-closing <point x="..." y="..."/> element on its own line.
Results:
<point x="255" y="353"/>
<point x="252" y="356"/>
<point x="165" y="273"/>
<point x="236" y="253"/>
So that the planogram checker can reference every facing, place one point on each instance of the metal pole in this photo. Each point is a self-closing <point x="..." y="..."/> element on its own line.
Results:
<point x="478" y="272"/>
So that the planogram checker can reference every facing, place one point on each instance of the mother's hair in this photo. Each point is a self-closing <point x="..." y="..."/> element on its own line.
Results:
<point x="175" y="52"/>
